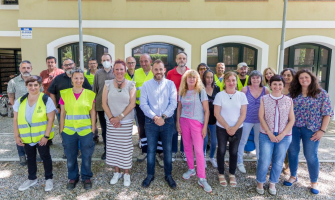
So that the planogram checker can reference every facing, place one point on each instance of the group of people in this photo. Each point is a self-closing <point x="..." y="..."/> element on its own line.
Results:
<point x="199" y="105"/>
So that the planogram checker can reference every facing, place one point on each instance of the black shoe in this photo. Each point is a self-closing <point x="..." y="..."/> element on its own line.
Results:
<point x="71" y="184"/>
<point x="171" y="182"/>
<point x="147" y="181"/>
<point x="64" y="156"/>
<point x="103" y="157"/>
<point x="23" y="160"/>
<point x="87" y="184"/>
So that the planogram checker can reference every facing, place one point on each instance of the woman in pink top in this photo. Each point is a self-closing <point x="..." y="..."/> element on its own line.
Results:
<point x="277" y="118"/>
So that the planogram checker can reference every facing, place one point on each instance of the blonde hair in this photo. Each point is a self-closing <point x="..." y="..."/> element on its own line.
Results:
<point x="264" y="72"/>
<point x="183" y="85"/>
<point x="227" y="75"/>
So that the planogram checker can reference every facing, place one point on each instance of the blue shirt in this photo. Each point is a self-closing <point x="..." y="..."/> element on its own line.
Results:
<point x="158" y="98"/>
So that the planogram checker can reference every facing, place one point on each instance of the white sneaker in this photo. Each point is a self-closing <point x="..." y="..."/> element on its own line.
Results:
<point x="115" y="178"/>
<point x="213" y="162"/>
<point x="48" y="185"/>
<point x="203" y="183"/>
<point x="173" y="157"/>
<point x="27" y="184"/>
<point x="126" y="180"/>
<point x="240" y="167"/>
<point x="189" y="173"/>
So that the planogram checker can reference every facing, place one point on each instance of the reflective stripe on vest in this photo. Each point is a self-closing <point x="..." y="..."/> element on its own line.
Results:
<point x="32" y="133"/>
<point x="239" y="84"/>
<point x="140" y="78"/>
<point x="77" y="117"/>
<point x="218" y="82"/>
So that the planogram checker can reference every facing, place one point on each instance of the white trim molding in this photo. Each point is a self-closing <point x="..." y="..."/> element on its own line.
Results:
<point x="160" y="38"/>
<point x="262" y="54"/>
<point x="52" y="47"/>
<point x="173" y="24"/>
<point x="322" y="40"/>
<point x="10" y="34"/>
<point x="9" y="7"/>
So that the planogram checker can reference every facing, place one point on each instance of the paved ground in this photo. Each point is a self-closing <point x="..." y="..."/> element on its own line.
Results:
<point x="12" y="175"/>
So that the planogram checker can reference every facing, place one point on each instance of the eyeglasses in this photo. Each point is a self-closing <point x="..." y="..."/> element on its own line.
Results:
<point x="131" y="63"/>
<point x="202" y="69"/>
<point x="68" y="65"/>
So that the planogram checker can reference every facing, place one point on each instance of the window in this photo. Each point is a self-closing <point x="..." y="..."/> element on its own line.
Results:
<point x="91" y="50"/>
<point x="231" y="54"/>
<point x="166" y="52"/>
<point x="9" y="66"/>
<point x="310" y="56"/>
<point x="10" y="2"/>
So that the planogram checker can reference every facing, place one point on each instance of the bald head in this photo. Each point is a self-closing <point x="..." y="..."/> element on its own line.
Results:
<point x="145" y="62"/>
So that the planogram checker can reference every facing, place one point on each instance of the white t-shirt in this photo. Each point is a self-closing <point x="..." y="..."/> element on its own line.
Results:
<point x="230" y="108"/>
<point x="277" y="113"/>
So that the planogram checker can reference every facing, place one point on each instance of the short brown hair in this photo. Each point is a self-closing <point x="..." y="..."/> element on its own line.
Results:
<point x="158" y="61"/>
<point x="227" y="75"/>
<point x="34" y="78"/>
<point x="107" y="54"/>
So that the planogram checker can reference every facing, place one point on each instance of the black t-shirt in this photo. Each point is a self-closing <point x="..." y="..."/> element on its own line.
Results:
<point x="62" y="82"/>
<point x="243" y="81"/>
<point x="212" y="119"/>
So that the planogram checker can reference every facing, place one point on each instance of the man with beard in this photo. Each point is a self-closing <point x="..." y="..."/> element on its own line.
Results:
<point x="98" y="85"/>
<point x="50" y="74"/>
<point x="143" y="75"/>
<point x="218" y="77"/>
<point x="62" y="82"/>
<point x="175" y="76"/>
<point x="158" y="101"/>
<point x="242" y="78"/>
<point x="15" y="89"/>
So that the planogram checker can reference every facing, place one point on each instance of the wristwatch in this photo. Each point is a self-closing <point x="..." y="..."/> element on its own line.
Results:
<point x="47" y="137"/>
<point x="164" y="117"/>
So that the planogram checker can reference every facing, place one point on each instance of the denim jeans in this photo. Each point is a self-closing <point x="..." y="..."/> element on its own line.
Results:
<point x="70" y="144"/>
<point x="175" y="136"/>
<point x="212" y="129"/>
<point x="271" y="151"/>
<point x="223" y="138"/>
<point x="20" y="150"/>
<point x="153" y="133"/>
<point x="244" y="139"/>
<point x="310" y="152"/>
<point x="44" y="152"/>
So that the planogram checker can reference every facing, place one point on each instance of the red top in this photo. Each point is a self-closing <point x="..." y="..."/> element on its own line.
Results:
<point x="48" y="78"/>
<point x="174" y="76"/>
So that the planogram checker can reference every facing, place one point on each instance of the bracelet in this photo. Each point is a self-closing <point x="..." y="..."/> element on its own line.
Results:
<point x="110" y="118"/>
<point x="322" y="130"/>
<point x="122" y="115"/>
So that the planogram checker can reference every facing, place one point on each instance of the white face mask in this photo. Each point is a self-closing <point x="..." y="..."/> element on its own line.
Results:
<point x="107" y="64"/>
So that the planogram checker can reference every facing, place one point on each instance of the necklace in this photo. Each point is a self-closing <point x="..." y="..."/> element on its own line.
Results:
<point x="231" y="95"/>
<point x="119" y="84"/>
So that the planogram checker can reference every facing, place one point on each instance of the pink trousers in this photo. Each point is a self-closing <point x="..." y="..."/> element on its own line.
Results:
<point x="192" y="138"/>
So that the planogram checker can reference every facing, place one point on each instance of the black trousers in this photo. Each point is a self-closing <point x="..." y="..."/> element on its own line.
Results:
<point x="223" y="138"/>
<point x="102" y="120"/>
<point x="44" y="152"/>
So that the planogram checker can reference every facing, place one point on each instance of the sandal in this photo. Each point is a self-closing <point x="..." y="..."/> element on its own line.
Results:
<point x="222" y="180"/>
<point x="232" y="182"/>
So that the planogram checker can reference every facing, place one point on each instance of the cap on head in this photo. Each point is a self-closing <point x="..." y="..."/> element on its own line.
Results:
<point x="242" y="64"/>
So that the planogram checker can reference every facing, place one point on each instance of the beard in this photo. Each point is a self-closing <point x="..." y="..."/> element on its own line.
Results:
<point x="69" y="71"/>
<point x="181" y="65"/>
<point x="159" y="76"/>
<point x="25" y="74"/>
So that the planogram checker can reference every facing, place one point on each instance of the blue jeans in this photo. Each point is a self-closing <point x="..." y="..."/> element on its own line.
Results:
<point x="212" y="129"/>
<point x="271" y="151"/>
<point x="70" y="144"/>
<point x="20" y="150"/>
<point x="175" y="136"/>
<point x="153" y="132"/>
<point x="244" y="139"/>
<point x="310" y="152"/>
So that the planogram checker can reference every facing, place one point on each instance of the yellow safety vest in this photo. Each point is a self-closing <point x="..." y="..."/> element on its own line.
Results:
<point x="218" y="83"/>
<point x="239" y="84"/>
<point x="141" y="78"/>
<point x="77" y="117"/>
<point x="89" y="77"/>
<point x="32" y="133"/>
<point x="126" y="76"/>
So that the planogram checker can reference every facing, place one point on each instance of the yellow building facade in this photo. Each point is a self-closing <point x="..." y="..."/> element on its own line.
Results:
<point x="208" y="31"/>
